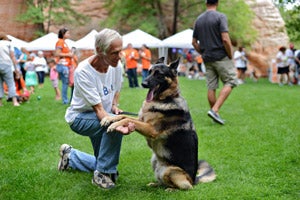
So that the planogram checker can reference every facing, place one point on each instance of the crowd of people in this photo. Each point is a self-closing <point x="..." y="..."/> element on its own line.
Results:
<point x="288" y="65"/>
<point x="22" y="71"/>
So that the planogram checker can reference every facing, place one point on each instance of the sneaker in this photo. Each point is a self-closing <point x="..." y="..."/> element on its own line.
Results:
<point x="215" y="117"/>
<point x="64" y="153"/>
<point x="102" y="180"/>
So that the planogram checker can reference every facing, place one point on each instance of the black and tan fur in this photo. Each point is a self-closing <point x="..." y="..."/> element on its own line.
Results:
<point x="165" y="121"/>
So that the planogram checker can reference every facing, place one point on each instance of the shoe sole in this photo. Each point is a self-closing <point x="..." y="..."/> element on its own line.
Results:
<point x="62" y="149"/>
<point x="211" y="115"/>
<point x="94" y="183"/>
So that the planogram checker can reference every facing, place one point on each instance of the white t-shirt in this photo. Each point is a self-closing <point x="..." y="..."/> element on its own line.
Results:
<point x="40" y="63"/>
<point x="5" y="49"/>
<point x="92" y="87"/>
<point x="238" y="58"/>
<point x="290" y="55"/>
<point x="282" y="60"/>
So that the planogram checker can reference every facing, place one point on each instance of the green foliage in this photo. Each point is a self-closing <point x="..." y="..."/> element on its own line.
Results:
<point x="255" y="154"/>
<point x="292" y="23"/>
<point x="126" y="15"/>
<point x="239" y="17"/>
<point x="290" y="12"/>
<point x="58" y="11"/>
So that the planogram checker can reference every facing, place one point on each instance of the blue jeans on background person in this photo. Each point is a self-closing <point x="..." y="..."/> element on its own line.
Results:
<point x="63" y="72"/>
<point x="7" y="76"/>
<point x="106" y="146"/>
<point x="132" y="78"/>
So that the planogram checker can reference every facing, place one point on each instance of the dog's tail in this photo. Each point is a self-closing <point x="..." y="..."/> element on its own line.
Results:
<point x="205" y="173"/>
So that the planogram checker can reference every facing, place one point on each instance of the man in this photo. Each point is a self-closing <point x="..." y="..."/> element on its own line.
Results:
<point x="132" y="57"/>
<point x="97" y="84"/>
<point x="212" y="41"/>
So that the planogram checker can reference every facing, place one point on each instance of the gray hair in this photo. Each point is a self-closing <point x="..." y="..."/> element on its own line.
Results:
<point x="104" y="39"/>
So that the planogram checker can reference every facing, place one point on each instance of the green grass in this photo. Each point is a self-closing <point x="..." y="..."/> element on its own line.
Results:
<point x="255" y="154"/>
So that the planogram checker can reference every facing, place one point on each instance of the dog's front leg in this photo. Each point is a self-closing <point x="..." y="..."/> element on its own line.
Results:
<point x="110" y="119"/>
<point x="143" y="128"/>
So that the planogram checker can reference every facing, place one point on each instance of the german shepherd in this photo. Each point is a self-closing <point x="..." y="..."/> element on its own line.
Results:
<point x="165" y="121"/>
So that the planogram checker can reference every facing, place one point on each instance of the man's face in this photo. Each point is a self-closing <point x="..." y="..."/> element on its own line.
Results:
<point x="113" y="53"/>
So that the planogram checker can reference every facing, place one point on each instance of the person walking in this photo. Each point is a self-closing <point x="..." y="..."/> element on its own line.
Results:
<point x="97" y="85"/>
<point x="240" y="62"/>
<point x="283" y="68"/>
<point x="64" y="56"/>
<point x="211" y="39"/>
<point x="8" y="65"/>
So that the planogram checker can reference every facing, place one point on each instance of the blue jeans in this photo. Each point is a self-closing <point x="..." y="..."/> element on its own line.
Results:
<point x="6" y="75"/>
<point x="63" y="72"/>
<point x="132" y="78"/>
<point x="106" y="146"/>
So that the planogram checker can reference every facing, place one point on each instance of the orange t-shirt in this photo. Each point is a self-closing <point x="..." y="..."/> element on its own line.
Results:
<point x="146" y="63"/>
<point x="131" y="56"/>
<point x="199" y="59"/>
<point x="60" y="44"/>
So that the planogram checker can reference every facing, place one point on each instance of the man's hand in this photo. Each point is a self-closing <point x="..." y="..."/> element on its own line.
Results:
<point x="126" y="130"/>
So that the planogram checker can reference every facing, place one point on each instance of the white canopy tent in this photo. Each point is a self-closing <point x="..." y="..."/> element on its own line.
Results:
<point x="182" y="40"/>
<point x="17" y="42"/>
<point x="138" y="37"/>
<point x="87" y="42"/>
<point x="47" y="43"/>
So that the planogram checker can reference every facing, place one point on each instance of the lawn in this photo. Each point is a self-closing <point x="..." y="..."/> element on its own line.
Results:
<point x="255" y="154"/>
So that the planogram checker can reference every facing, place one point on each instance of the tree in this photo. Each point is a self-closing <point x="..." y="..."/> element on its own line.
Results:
<point x="290" y="12"/>
<point x="51" y="11"/>
<point x="163" y="18"/>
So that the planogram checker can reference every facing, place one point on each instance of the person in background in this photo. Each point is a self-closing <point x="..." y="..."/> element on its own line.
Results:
<point x="22" y="59"/>
<point x="283" y="68"/>
<point x="40" y="68"/>
<point x="290" y="54"/>
<point x="240" y="62"/>
<point x="211" y="39"/>
<point x="97" y="85"/>
<point x="145" y="55"/>
<point x="21" y="90"/>
<point x="54" y="78"/>
<point x="74" y="63"/>
<point x="64" y="57"/>
<point x="30" y="77"/>
<point x="199" y="62"/>
<point x="8" y="64"/>
<point x="131" y="56"/>
<point x="297" y="70"/>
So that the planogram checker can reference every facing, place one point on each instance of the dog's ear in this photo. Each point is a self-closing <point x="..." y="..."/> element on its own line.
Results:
<point x="160" y="60"/>
<point x="174" y="65"/>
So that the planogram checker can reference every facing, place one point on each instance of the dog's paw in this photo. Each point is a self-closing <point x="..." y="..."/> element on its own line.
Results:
<point x="106" y="121"/>
<point x="152" y="184"/>
<point x="111" y="128"/>
<point x="169" y="189"/>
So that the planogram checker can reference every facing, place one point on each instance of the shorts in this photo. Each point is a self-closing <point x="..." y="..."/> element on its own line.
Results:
<point x="224" y="70"/>
<point x="283" y="70"/>
<point x="242" y="69"/>
<point x="55" y="83"/>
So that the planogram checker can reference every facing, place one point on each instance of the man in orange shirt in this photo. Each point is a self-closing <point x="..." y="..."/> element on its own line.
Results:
<point x="131" y="56"/>
<point x="145" y="54"/>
